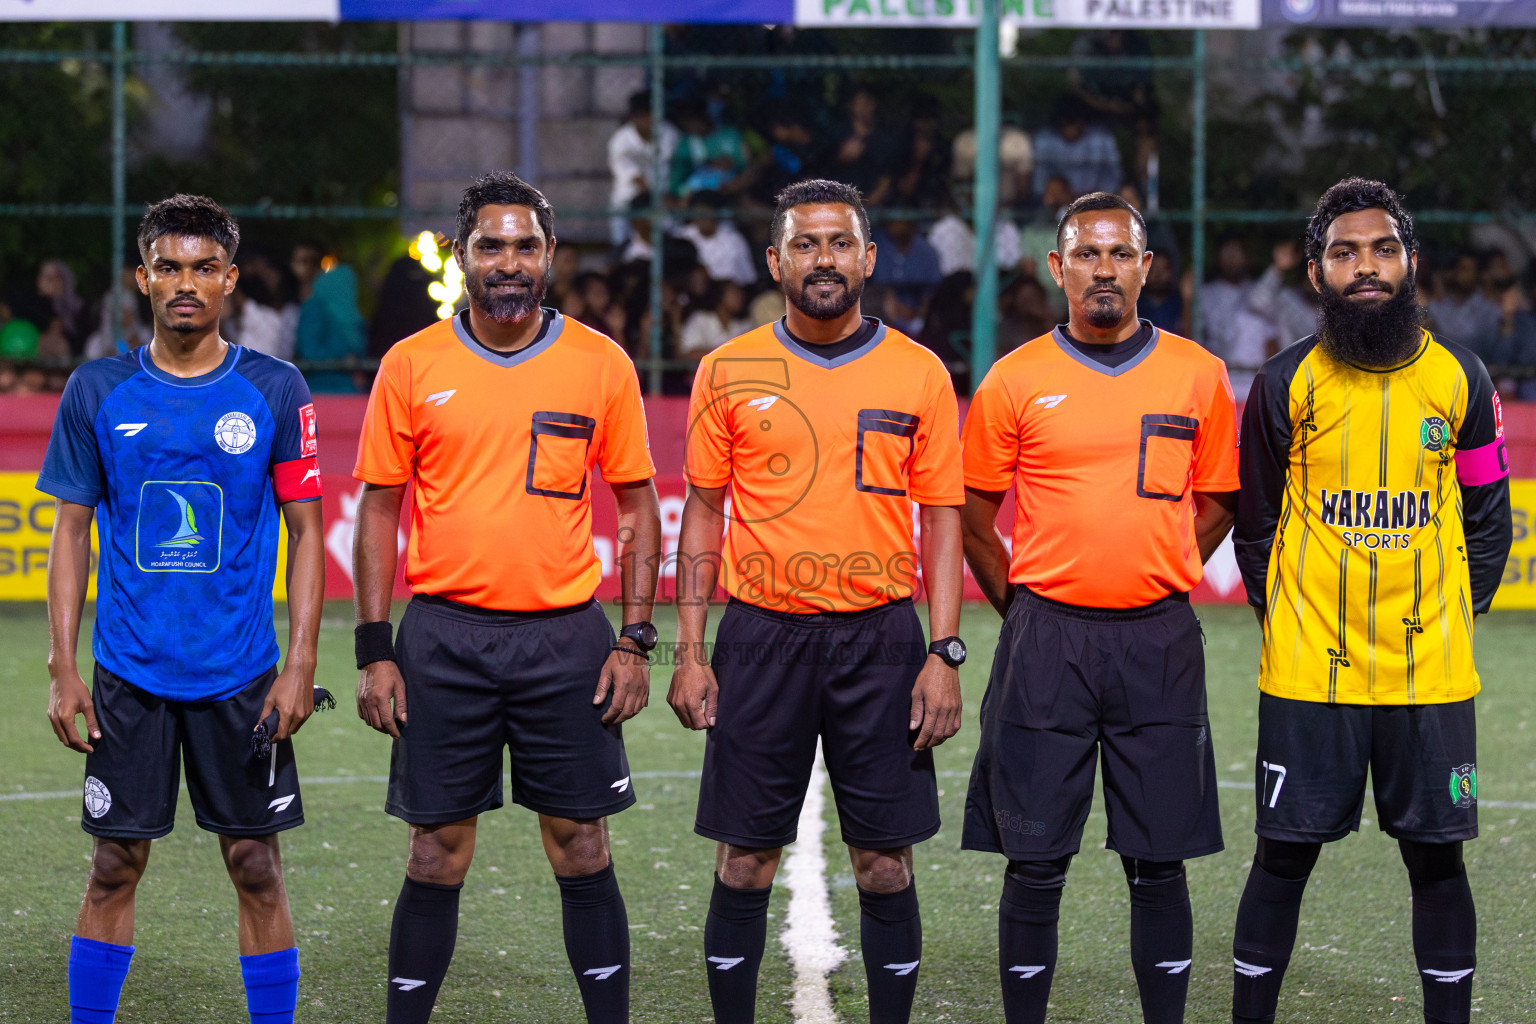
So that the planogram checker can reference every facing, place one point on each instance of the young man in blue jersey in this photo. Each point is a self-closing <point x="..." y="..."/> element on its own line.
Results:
<point x="184" y="451"/>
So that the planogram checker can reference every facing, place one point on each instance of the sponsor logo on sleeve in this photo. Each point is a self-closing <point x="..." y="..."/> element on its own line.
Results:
<point x="309" y="442"/>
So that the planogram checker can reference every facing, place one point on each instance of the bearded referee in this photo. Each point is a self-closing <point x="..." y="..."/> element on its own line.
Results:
<point x="1120" y="441"/>
<point x="823" y="429"/>
<point x="1374" y="525"/>
<point x="185" y="452"/>
<point x="497" y="416"/>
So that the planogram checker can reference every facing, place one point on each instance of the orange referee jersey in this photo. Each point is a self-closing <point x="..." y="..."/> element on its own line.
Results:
<point x="1105" y="461"/>
<point x="501" y="450"/>
<point x="824" y="458"/>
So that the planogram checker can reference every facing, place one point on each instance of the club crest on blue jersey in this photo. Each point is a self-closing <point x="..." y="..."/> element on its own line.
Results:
<point x="180" y="527"/>
<point x="235" y="432"/>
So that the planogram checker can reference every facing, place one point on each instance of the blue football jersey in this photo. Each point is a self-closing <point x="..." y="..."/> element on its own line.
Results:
<point x="186" y="475"/>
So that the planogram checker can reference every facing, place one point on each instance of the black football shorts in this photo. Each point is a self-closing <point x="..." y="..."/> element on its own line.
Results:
<point x="1310" y="769"/>
<point x="1071" y="686"/>
<point x="133" y="776"/>
<point x="788" y="679"/>
<point x="479" y="682"/>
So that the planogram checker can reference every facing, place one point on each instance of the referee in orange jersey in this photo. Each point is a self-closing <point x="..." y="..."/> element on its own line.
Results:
<point x="497" y="417"/>
<point x="1121" y="442"/>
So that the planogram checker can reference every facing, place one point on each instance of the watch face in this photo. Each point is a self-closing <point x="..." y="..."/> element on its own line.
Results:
<point x="956" y="651"/>
<point x="642" y="633"/>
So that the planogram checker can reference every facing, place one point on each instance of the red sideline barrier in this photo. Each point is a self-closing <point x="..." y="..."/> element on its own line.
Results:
<point x="26" y="420"/>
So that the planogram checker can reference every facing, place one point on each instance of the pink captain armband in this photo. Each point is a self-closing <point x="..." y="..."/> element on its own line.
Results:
<point x="1482" y="465"/>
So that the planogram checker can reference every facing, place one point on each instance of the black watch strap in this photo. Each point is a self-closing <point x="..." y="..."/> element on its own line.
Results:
<point x="951" y="649"/>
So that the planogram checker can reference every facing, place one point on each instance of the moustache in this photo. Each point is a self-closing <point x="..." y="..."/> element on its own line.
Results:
<point x="825" y="278"/>
<point x="517" y="278"/>
<point x="1368" y="282"/>
<point x="1104" y="289"/>
<point x="186" y="300"/>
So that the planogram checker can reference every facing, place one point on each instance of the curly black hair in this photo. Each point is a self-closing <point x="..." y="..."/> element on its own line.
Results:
<point x="1349" y="196"/>
<point x="815" y="191"/>
<point x="189" y="217"/>
<point x="502" y="188"/>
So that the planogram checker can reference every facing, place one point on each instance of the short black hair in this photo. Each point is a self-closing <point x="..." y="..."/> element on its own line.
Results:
<point x="1350" y="196"/>
<point x="816" y="191"/>
<point x="1099" y="201"/>
<point x="640" y="103"/>
<point x="189" y="217"/>
<point x="502" y="188"/>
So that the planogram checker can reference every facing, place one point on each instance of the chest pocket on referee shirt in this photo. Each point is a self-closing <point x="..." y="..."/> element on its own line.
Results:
<point x="1167" y="454"/>
<point x="885" y="444"/>
<point x="557" y="454"/>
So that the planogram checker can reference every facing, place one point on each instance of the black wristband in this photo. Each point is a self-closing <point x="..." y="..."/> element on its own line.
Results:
<point x="630" y="650"/>
<point x="374" y="641"/>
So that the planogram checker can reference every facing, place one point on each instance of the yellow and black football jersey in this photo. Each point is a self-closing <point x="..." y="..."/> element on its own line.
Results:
<point x="1373" y="522"/>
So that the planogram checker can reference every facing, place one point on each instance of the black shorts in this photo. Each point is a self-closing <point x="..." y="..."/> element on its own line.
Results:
<point x="133" y="776"/>
<point x="787" y="679"/>
<point x="1073" y="685"/>
<point x="1309" y="771"/>
<point x="478" y="681"/>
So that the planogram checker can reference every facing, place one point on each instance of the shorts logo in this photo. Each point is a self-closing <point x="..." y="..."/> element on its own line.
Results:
<point x="98" y="798"/>
<point x="1013" y="823"/>
<point x="1434" y="434"/>
<point x="281" y="803"/>
<point x="1464" y="785"/>
<point x="622" y="785"/>
<point x="235" y="432"/>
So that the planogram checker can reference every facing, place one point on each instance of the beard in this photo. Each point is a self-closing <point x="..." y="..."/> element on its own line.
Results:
<point x="1376" y="335"/>
<point x="832" y="306"/>
<point x="1104" y="307"/>
<point x="507" y="308"/>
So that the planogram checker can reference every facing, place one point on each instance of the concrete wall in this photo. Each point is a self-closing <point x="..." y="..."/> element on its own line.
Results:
<point x="458" y="120"/>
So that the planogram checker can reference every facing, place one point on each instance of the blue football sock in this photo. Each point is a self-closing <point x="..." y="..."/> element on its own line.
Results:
<point x="271" y="985"/>
<point x="96" y="974"/>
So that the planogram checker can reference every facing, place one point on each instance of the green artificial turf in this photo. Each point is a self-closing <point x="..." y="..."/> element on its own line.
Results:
<point x="1353" y="958"/>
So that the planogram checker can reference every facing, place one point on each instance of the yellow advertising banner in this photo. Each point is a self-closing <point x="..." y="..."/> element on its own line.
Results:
<point x="26" y="523"/>
<point x="1519" y="587"/>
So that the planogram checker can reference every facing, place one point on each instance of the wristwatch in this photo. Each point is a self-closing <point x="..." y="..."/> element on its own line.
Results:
<point x="642" y="633"/>
<point x="951" y="649"/>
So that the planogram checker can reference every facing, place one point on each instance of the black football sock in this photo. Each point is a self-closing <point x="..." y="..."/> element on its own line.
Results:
<point x="1444" y="930"/>
<point x="891" y="937"/>
<point x="597" y="943"/>
<point x="420" y="948"/>
<point x="1162" y="937"/>
<point x="1266" y="927"/>
<point x="735" y="933"/>
<point x="1027" y="916"/>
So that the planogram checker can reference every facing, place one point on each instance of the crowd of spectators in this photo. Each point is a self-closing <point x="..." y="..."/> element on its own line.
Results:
<point x="721" y="160"/>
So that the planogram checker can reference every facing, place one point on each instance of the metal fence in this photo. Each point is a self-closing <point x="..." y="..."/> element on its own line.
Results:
<point x="1210" y="143"/>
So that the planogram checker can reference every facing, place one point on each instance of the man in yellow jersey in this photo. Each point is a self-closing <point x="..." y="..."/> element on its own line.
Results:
<point x="822" y="430"/>
<point x="1373" y="524"/>
<point x="1120" y="440"/>
<point x="497" y="416"/>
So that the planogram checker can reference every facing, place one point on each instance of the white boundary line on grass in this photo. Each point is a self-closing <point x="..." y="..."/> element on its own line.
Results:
<point x="809" y="935"/>
<point x="341" y="780"/>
